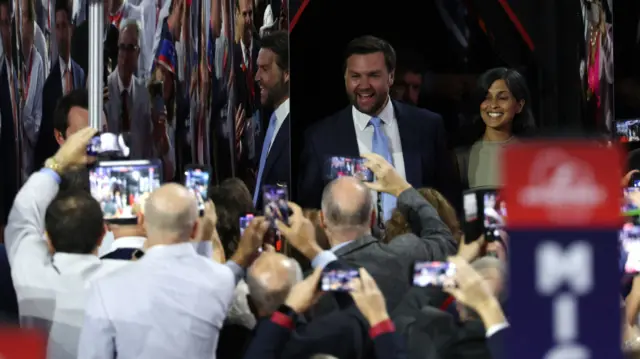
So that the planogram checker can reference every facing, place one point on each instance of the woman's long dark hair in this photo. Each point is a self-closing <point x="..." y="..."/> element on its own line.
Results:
<point x="523" y="122"/>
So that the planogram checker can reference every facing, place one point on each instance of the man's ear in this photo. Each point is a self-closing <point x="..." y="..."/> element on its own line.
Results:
<point x="194" y="230"/>
<point x="59" y="137"/>
<point x="286" y="77"/>
<point x="392" y="77"/>
<point x="323" y="225"/>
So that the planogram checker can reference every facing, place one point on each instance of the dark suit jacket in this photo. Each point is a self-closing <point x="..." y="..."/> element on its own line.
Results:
<point x="391" y="265"/>
<point x="51" y="93"/>
<point x="121" y="253"/>
<point x="8" y="299"/>
<point x="341" y="334"/>
<point x="496" y="344"/>
<point x="277" y="168"/>
<point x="426" y="159"/>
<point x="242" y="83"/>
<point x="8" y="161"/>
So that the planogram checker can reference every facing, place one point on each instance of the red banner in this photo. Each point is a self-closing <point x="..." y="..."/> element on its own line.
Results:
<point x="22" y="344"/>
<point x="562" y="184"/>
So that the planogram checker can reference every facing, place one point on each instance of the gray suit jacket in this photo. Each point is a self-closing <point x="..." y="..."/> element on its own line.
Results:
<point x="140" y="111"/>
<point x="391" y="265"/>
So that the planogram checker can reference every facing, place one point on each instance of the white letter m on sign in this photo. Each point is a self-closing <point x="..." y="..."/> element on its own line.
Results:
<point x="555" y="265"/>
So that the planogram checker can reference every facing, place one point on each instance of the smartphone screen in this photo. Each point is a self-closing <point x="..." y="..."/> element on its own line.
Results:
<point x="348" y="166"/>
<point x="338" y="280"/>
<point x="121" y="187"/>
<point x="433" y="274"/>
<point x="108" y="143"/>
<point x="244" y="222"/>
<point x="275" y="204"/>
<point x="495" y="214"/>
<point x="196" y="179"/>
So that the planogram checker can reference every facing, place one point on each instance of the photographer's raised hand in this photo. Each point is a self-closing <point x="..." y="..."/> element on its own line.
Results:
<point x="300" y="232"/>
<point x="73" y="153"/>
<point x="304" y="294"/>
<point x="250" y="242"/>
<point x="387" y="178"/>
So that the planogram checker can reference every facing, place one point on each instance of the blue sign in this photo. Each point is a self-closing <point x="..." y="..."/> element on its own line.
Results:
<point x="564" y="299"/>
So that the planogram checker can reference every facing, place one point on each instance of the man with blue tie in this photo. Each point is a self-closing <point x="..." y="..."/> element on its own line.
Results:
<point x="411" y="139"/>
<point x="273" y="79"/>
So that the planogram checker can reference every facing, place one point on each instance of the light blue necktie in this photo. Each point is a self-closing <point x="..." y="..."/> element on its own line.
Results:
<point x="381" y="147"/>
<point x="263" y="156"/>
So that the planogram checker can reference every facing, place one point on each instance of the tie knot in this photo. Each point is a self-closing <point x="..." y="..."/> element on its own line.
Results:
<point x="125" y="93"/>
<point x="376" y="122"/>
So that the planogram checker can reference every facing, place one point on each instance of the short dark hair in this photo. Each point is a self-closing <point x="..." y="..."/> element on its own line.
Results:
<point x="64" y="5"/>
<point x="368" y="44"/>
<point x="74" y="222"/>
<point x="75" y="180"/>
<point x="75" y="98"/>
<point x="278" y="42"/>
<point x="232" y="200"/>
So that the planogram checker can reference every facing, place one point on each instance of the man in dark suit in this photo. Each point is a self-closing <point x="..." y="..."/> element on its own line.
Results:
<point x="10" y="131"/>
<point x="128" y="242"/>
<point x="80" y="45"/>
<point x="65" y="76"/>
<point x="273" y="79"/>
<point x="412" y="139"/>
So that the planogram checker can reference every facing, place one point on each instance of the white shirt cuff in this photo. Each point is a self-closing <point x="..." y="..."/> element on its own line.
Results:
<point x="322" y="259"/>
<point x="496" y="328"/>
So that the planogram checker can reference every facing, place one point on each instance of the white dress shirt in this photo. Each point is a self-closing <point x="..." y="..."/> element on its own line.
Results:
<point x="51" y="290"/>
<point x="121" y="86"/>
<point x="364" y="135"/>
<point x="281" y="114"/>
<point x="169" y="304"/>
<point x="496" y="328"/>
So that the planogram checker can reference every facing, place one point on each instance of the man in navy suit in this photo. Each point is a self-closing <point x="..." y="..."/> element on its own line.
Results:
<point x="65" y="76"/>
<point x="273" y="79"/>
<point x="412" y="139"/>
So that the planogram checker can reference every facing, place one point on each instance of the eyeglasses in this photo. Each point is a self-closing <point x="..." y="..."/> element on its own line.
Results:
<point x="127" y="47"/>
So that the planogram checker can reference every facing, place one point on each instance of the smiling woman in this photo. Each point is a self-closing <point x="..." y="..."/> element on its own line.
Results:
<point x="505" y="114"/>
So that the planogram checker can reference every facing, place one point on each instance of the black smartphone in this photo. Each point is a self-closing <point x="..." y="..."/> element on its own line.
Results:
<point x="436" y="274"/>
<point x="485" y="213"/>
<point x="121" y="187"/>
<point x="338" y="280"/>
<point x="196" y="179"/>
<point x="275" y="200"/>
<point x="347" y="166"/>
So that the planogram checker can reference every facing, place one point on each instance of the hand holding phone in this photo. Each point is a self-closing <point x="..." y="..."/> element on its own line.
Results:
<point x="276" y="206"/>
<point x="348" y="166"/>
<point x="338" y="280"/>
<point x="196" y="179"/>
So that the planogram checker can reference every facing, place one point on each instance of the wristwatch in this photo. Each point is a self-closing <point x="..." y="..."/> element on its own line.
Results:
<point x="286" y="310"/>
<point x="53" y="165"/>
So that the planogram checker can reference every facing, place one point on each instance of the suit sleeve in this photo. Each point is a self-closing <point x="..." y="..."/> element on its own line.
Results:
<point x="310" y="184"/>
<point x="424" y="219"/>
<point x="270" y="337"/>
<point x="387" y="342"/>
<point x="97" y="335"/>
<point x="495" y="342"/>
<point x="447" y="182"/>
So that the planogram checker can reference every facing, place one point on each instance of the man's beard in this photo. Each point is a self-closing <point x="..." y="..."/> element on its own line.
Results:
<point x="276" y="93"/>
<point x="375" y="109"/>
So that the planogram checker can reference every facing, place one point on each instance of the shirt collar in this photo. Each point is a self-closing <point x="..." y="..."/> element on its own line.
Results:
<point x="282" y="111"/>
<point x="63" y="65"/>
<point x="128" y="242"/>
<point x="121" y="85"/>
<point x="170" y="250"/>
<point x="338" y="246"/>
<point x="362" y="119"/>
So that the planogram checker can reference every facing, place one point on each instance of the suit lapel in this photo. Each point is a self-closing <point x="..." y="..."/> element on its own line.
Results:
<point x="57" y="77"/>
<point x="116" y="107"/>
<point x="345" y="134"/>
<point x="280" y="144"/>
<point x="355" y="245"/>
<point x="77" y="81"/>
<point x="407" y="130"/>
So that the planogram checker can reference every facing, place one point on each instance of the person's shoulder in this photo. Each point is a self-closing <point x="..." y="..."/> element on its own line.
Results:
<point x="325" y="126"/>
<point x="416" y="113"/>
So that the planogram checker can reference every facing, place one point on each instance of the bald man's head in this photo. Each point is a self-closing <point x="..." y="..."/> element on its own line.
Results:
<point x="346" y="204"/>
<point x="270" y="278"/>
<point x="170" y="212"/>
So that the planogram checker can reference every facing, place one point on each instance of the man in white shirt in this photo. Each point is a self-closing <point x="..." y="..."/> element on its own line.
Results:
<point x="171" y="303"/>
<point x="51" y="276"/>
